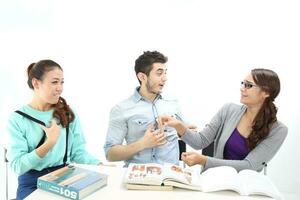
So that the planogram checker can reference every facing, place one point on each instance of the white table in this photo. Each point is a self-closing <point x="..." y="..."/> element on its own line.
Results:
<point x="115" y="190"/>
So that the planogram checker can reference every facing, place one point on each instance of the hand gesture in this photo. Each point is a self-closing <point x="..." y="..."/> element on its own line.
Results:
<point x="192" y="127"/>
<point x="52" y="133"/>
<point x="193" y="158"/>
<point x="173" y="122"/>
<point x="153" y="138"/>
<point x="168" y="121"/>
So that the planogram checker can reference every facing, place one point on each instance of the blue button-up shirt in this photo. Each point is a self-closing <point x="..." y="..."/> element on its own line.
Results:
<point x="129" y="120"/>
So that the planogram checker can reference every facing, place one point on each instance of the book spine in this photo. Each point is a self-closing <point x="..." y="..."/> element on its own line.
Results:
<point x="70" y="193"/>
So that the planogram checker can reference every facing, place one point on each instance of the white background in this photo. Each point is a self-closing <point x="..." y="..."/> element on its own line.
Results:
<point x="211" y="46"/>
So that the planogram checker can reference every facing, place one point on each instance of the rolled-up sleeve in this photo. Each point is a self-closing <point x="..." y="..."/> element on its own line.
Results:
<point x="117" y="129"/>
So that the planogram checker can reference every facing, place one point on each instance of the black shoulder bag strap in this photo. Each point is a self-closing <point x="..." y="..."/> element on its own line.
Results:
<point x="44" y="136"/>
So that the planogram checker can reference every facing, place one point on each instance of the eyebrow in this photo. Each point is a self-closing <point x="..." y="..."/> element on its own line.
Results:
<point x="249" y="81"/>
<point x="161" y="69"/>
<point x="57" y="79"/>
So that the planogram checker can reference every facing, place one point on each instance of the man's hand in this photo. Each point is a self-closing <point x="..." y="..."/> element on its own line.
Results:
<point x="153" y="138"/>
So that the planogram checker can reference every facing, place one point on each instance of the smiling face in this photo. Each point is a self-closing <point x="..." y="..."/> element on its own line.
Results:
<point x="252" y="94"/>
<point x="49" y="89"/>
<point x="156" y="80"/>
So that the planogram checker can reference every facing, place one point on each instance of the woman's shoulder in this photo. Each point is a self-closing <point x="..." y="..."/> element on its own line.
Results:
<point x="16" y="116"/>
<point x="17" y="120"/>
<point x="233" y="107"/>
<point x="279" y="126"/>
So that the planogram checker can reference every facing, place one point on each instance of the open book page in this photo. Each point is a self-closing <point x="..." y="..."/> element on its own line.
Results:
<point x="179" y="177"/>
<point x="220" y="178"/>
<point x="147" y="174"/>
<point x="257" y="183"/>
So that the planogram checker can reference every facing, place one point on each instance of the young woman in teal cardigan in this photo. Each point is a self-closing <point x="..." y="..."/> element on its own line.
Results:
<point x="45" y="134"/>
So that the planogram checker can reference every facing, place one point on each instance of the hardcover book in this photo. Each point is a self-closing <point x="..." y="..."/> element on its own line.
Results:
<point x="72" y="182"/>
<point x="153" y="176"/>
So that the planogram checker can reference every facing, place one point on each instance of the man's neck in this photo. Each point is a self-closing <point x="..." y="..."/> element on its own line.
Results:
<point x="146" y="94"/>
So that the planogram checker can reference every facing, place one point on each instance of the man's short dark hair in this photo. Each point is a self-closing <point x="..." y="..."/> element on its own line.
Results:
<point x="144" y="63"/>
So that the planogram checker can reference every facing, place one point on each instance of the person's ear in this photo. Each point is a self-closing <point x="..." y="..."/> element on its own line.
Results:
<point x="35" y="83"/>
<point x="265" y="94"/>
<point x="142" y="77"/>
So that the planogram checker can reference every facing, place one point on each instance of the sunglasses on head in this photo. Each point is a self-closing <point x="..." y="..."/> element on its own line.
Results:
<point x="248" y="85"/>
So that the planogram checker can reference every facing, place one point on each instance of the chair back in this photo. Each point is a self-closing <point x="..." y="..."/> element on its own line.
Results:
<point x="182" y="147"/>
<point x="209" y="150"/>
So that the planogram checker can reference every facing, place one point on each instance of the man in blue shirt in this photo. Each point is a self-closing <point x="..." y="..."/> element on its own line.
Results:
<point x="134" y="119"/>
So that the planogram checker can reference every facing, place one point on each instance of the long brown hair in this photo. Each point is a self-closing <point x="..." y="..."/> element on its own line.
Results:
<point x="62" y="111"/>
<point x="269" y="82"/>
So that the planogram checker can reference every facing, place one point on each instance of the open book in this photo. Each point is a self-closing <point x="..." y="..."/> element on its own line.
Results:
<point x="153" y="176"/>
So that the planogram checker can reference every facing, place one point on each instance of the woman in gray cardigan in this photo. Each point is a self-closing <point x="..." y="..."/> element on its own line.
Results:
<point x="245" y="136"/>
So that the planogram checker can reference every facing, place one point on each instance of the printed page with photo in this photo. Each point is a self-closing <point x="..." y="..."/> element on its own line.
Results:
<point x="177" y="176"/>
<point x="150" y="174"/>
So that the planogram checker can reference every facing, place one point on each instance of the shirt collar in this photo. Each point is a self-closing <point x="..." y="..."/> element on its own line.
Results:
<point x="137" y="96"/>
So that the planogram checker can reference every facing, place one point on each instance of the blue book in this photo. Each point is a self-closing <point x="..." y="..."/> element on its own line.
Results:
<point x="72" y="182"/>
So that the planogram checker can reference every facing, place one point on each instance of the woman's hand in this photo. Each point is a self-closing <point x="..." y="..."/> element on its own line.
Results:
<point x="173" y="122"/>
<point x="192" y="127"/>
<point x="52" y="133"/>
<point x="193" y="158"/>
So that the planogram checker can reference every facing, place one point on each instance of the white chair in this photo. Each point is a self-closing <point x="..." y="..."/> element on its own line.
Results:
<point x="6" y="174"/>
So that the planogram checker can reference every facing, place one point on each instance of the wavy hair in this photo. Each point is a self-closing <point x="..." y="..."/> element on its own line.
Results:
<point x="268" y="82"/>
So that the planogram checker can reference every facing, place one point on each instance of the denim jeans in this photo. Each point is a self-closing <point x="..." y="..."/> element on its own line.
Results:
<point x="27" y="182"/>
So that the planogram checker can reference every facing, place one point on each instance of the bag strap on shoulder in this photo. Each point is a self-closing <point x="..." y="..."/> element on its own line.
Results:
<point x="44" y="135"/>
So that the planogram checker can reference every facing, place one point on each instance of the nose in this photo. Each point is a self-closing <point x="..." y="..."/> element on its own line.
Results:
<point x="59" y="87"/>
<point x="164" y="78"/>
<point x="242" y="89"/>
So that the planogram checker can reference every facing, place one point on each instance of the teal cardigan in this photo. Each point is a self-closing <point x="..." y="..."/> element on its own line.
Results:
<point x="24" y="136"/>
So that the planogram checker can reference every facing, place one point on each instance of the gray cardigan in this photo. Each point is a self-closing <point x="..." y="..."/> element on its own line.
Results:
<point x="219" y="130"/>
